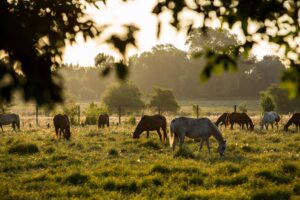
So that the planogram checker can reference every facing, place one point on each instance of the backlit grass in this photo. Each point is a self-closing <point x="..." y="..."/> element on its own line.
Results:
<point x="109" y="164"/>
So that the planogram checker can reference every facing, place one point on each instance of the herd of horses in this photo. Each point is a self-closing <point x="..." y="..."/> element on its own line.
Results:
<point x="199" y="129"/>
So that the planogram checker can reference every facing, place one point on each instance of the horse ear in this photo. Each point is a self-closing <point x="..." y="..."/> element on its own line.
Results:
<point x="224" y="141"/>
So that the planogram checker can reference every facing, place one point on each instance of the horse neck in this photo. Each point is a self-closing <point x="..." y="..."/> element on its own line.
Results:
<point x="289" y="122"/>
<point x="217" y="134"/>
<point x="138" y="129"/>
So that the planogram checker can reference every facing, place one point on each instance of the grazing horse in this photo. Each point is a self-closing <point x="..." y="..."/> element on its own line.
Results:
<point x="269" y="118"/>
<point x="241" y="119"/>
<point x="103" y="120"/>
<point x="62" y="125"/>
<point x="222" y="120"/>
<point x="201" y="128"/>
<point x="152" y="123"/>
<point x="295" y="119"/>
<point x="13" y="119"/>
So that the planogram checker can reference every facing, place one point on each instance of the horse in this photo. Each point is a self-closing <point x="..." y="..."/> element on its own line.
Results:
<point x="222" y="120"/>
<point x="152" y="123"/>
<point x="269" y="118"/>
<point x="13" y="119"/>
<point x="241" y="119"/>
<point x="201" y="128"/>
<point x="295" y="119"/>
<point x="103" y="120"/>
<point x="62" y="125"/>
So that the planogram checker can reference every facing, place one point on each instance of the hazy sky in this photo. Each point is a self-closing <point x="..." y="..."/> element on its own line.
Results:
<point x="136" y="12"/>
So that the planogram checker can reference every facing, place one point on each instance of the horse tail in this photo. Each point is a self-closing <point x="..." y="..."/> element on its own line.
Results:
<point x="172" y="137"/>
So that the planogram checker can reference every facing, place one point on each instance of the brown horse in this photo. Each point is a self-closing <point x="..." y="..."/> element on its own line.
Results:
<point x="103" y="120"/>
<point x="151" y="123"/>
<point x="222" y="120"/>
<point x="295" y="119"/>
<point x="62" y="125"/>
<point x="241" y="119"/>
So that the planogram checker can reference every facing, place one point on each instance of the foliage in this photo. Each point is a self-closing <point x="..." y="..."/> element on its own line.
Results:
<point x="266" y="102"/>
<point x="92" y="113"/>
<point x="132" y="120"/>
<point x="243" y="107"/>
<point x="163" y="100"/>
<point x="71" y="110"/>
<point x="125" y="96"/>
<point x="282" y="102"/>
<point x="276" y="22"/>
<point x="182" y="75"/>
<point x="33" y="56"/>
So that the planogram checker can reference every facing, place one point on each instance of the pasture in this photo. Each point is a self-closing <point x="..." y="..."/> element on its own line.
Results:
<point x="109" y="164"/>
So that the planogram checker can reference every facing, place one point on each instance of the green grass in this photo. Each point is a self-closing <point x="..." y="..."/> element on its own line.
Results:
<point x="109" y="164"/>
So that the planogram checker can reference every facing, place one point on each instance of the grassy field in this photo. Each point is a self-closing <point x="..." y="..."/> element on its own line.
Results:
<point x="109" y="164"/>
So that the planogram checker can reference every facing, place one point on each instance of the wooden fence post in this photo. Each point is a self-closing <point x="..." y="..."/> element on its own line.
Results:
<point x="37" y="115"/>
<point x="78" y="110"/>
<point x="120" y="113"/>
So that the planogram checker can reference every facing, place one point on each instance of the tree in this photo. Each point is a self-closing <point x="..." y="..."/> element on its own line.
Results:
<point x="163" y="100"/>
<point x="282" y="102"/>
<point x="126" y="97"/>
<point x="275" y="21"/>
<point x="33" y="36"/>
<point x="266" y="102"/>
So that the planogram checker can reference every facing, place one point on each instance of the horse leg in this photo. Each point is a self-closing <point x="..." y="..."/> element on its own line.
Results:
<point x="159" y="134"/>
<point x="1" y="128"/>
<point x="148" y="134"/>
<point x="207" y="144"/>
<point x="201" y="144"/>
<point x="231" y="125"/>
<point x="56" y="132"/>
<point x="165" y="134"/>
<point x="181" y="141"/>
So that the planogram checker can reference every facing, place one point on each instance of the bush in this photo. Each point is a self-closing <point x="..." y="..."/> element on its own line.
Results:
<point x="113" y="153"/>
<point x="242" y="107"/>
<point x="90" y="120"/>
<point x="25" y="148"/>
<point x="132" y="120"/>
<point x="184" y="153"/>
<point x="92" y="113"/>
<point x="266" y="102"/>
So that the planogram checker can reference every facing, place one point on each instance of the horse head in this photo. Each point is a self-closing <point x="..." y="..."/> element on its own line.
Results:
<point x="222" y="147"/>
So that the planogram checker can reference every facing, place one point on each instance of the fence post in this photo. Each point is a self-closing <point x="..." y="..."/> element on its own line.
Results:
<point x="120" y="114"/>
<point x="78" y="110"/>
<point x="159" y="110"/>
<point x="37" y="115"/>
<point x="234" y="108"/>
<point x="197" y="111"/>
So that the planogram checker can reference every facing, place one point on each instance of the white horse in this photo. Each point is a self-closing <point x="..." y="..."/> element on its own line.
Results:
<point x="197" y="129"/>
<point x="269" y="118"/>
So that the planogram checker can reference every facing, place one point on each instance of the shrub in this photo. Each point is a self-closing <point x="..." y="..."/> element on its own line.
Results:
<point x="90" y="120"/>
<point x="296" y="189"/>
<point x="24" y="148"/>
<point x="267" y="102"/>
<point x="242" y="107"/>
<point x="132" y="120"/>
<point x="290" y="168"/>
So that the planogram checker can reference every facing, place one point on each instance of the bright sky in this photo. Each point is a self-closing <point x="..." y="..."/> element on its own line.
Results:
<point x="137" y="12"/>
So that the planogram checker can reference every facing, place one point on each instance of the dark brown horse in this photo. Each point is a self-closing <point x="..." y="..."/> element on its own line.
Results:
<point x="222" y="120"/>
<point x="62" y="125"/>
<point x="151" y="123"/>
<point x="103" y="120"/>
<point x="241" y="119"/>
<point x="295" y="119"/>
